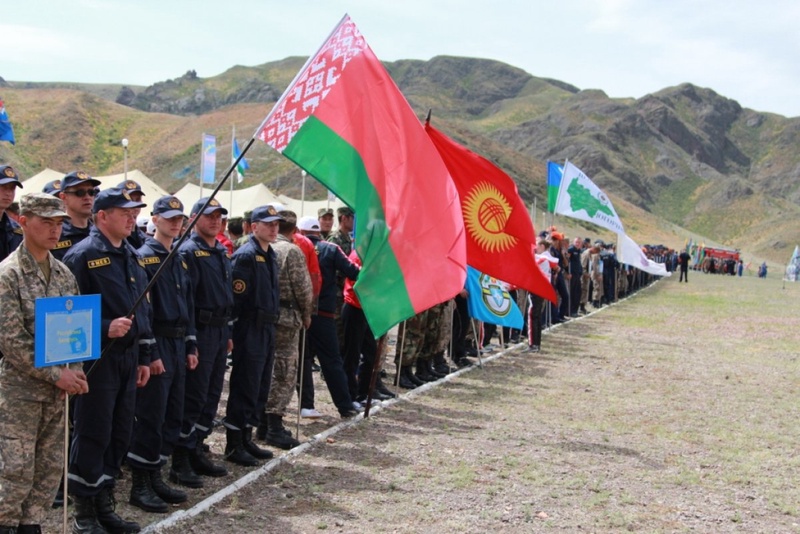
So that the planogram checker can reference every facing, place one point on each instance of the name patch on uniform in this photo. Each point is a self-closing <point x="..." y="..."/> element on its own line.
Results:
<point x="64" y="244"/>
<point x="261" y="259"/>
<point x="150" y="260"/>
<point x="239" y="286"/>
<point x="201" y="253"/>
<point x="99" y="263"/>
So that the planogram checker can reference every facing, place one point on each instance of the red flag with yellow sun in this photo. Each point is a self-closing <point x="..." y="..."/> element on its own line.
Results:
<point x="500" y="235"/>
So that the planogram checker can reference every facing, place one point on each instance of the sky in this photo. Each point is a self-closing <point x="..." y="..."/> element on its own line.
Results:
<point x="742" y="49"/>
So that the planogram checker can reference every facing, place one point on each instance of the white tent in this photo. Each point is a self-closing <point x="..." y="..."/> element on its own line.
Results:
<point x="151" y="191"/>
<point x="242" y="200"/>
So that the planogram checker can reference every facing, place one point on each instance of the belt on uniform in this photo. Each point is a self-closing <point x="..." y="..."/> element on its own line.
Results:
<point x="329" y="315"/>
<point x="207" y="318"/>
<point x="264" y="318"/>
<point x="169" y="331"/>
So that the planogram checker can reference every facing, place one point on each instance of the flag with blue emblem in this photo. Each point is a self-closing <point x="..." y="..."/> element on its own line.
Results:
<point x="242" y="166"/>
<point x="489" y="300"/>
<point x="6" y="130"/>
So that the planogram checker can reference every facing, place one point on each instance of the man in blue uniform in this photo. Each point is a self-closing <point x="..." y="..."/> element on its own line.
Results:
<point x="138" y="236"/>
<point x="78" y="190"/>
<point x="255" y="312"/>
<point x="10" y="232"/>
<point x="210" y="272"/>
<point x="322" y="332"/>
<point x="159" y="405"/>
<point x="105" y="264"/>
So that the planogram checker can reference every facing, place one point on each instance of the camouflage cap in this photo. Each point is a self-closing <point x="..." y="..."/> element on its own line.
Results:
<point x="41" y="204"/>
<point x="345" y="210"/>
<point x="322" y="212"/>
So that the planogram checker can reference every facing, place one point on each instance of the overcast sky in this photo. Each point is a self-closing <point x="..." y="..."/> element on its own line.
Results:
<point x="745" y="50"/>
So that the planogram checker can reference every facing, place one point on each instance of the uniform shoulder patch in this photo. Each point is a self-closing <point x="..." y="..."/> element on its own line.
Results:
<point x="202" y="253"/>
<point x="239" y="286"/>
<point x="64" y="244"/>
<point x="150" y="260"/>
<point x="100" y="262"/>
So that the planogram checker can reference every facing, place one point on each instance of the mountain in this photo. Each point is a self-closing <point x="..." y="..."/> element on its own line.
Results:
<point x="683" y="161"/>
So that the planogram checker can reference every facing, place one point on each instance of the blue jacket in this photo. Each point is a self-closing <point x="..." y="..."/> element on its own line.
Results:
<point x="331" y="259"/>
<point x="210" y="271"/>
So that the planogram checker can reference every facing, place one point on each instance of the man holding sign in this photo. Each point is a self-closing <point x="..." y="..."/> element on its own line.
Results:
<point x="31" y="399"/>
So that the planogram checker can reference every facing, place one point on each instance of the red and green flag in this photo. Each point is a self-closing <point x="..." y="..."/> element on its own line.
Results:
<point x="347" y="124"/>
<point x="500" y="235"/>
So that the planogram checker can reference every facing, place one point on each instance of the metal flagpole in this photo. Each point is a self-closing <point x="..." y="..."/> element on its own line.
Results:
<point x="400" y="358"/>
<point x="477" y="342"/>
<point x="300" y="390"/>
<point x="233" y="139"/>
<point x="303" y="194"/>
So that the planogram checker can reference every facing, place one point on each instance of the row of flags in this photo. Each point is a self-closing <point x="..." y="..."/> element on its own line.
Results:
<point x="208" y="161"/>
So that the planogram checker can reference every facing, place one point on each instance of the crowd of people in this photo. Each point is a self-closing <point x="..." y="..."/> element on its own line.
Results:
<point x="246" y="300"/>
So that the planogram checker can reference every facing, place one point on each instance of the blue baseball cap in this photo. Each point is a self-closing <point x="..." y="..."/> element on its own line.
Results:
<point x="53" y="187"/>
<point x="130" y="186"/>
<point x="114" y="198"/>
<point x="168" y="207"/>
<point x="77" y="178"/>
<point x="213" y="206"/>
<point x="9" y="176"/>
<point x="266" y="213"/>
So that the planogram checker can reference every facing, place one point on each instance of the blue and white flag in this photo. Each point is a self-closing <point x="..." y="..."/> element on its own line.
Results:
<point x="489" y="300"/>
<point x="209" y="161"/>
<point x="242" y="166"/>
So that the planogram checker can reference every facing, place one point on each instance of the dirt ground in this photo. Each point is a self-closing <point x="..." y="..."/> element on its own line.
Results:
<point x="673" y="411"/>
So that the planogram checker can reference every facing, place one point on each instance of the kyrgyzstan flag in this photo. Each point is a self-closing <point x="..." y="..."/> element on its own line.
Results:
<point x="346" y="123"/>
<point x="500" y="234"/>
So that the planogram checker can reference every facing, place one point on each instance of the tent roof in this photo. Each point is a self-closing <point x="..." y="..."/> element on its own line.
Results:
<point x="151" y="191"/>
<point x="251" y="197"/>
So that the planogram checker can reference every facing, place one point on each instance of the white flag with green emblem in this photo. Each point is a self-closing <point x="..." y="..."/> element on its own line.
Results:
<point x="580" y="198"/>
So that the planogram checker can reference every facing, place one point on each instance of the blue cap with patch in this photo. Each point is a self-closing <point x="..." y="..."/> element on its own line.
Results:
<point x="168" y="207"/>
<point x="130" y="186"/>
<point x="77" y="178"/>
<point x="265" y="214"/>
<point x="213" y="206"/>
<point x="114" y="198"/>
<point x="9" y="176"/>
<point x="53" y="187"/>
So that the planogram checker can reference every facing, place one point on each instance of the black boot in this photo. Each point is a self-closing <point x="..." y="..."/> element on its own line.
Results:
<point x="142" y="494"/>
<point x="431" y="368"/>
<point x="167" y="493"/>
<point x="254" y="450"/>
<point x="105" y="504"/>
<point x="202" y="465"/>
<point x="423" y="372"/>
<point x="407" y="378"/>
<point x="85" y="520"/>
<point x="276" y="434"/>
<point x="440" y="364"/>
<point x="27" y="529"/>
<point x="181" y="471"/>
<point x="381" y="388"/>
<point x="235" y="451"/>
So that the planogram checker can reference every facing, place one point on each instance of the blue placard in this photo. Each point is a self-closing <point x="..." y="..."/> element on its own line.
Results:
<point x="67" y="330"/>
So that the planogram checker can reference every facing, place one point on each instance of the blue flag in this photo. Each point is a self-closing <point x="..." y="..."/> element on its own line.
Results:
<point x="6" y="130"/>
<point x="209" y="161"/>
<point x="554" y="174"/>
<point x="489" y="300"/>
<point x="242" y="166"/>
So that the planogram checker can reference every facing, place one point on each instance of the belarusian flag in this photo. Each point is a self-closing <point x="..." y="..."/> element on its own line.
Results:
<point x="346" y="123"/>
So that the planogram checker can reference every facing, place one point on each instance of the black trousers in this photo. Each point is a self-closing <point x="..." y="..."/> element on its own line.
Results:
<point x="325" y="343"/>
<point x="251" y="374"/>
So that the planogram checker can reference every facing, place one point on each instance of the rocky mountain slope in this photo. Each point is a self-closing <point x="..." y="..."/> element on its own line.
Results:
<point x="683" y="156"/>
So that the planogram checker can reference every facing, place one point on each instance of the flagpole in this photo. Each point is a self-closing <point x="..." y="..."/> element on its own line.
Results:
<point x="233" y="139"/>
<point x="303" y="193"/>
<point x="399" y="358"/>
<point x="202" y="164"/>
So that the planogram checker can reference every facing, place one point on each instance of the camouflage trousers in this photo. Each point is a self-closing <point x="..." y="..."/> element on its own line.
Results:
<point x="597" y="282"/>
<point x="284" y="371"/>
<point x="440" y="327"/>
<point x="31" y="458"/>
<point x="424" y="334"/>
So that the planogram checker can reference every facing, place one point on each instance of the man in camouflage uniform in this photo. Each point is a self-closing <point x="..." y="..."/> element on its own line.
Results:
<point x="436" y="332"/>
<point x="325" y="218"/>
<point x="31" y="399"/>
<point x="295" y="312"/>
<point x="247" y="229"/>
<point x="410" y="337"/>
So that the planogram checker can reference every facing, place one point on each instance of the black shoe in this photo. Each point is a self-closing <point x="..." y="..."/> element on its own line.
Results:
<point x="409" y="374"/>
<point x="25" y="529"/>
<point x="381" y="388"/>
<point x="202" y="465"/>
<point x="167" y="493"/>
<point x="85" y="519"/>
<point x="235" y="451"/>
<point x="105" y="505"/>
<point x="423" y="372"/>
<point x="142" y="494"/>
<point x="463" y="362"/>
<point x="254" y="450"/>
<point x="181" y="471"/>
<point x="277" y="435"/>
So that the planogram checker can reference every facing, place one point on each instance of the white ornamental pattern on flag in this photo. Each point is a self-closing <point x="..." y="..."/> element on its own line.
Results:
<point x="311" y="85"/>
